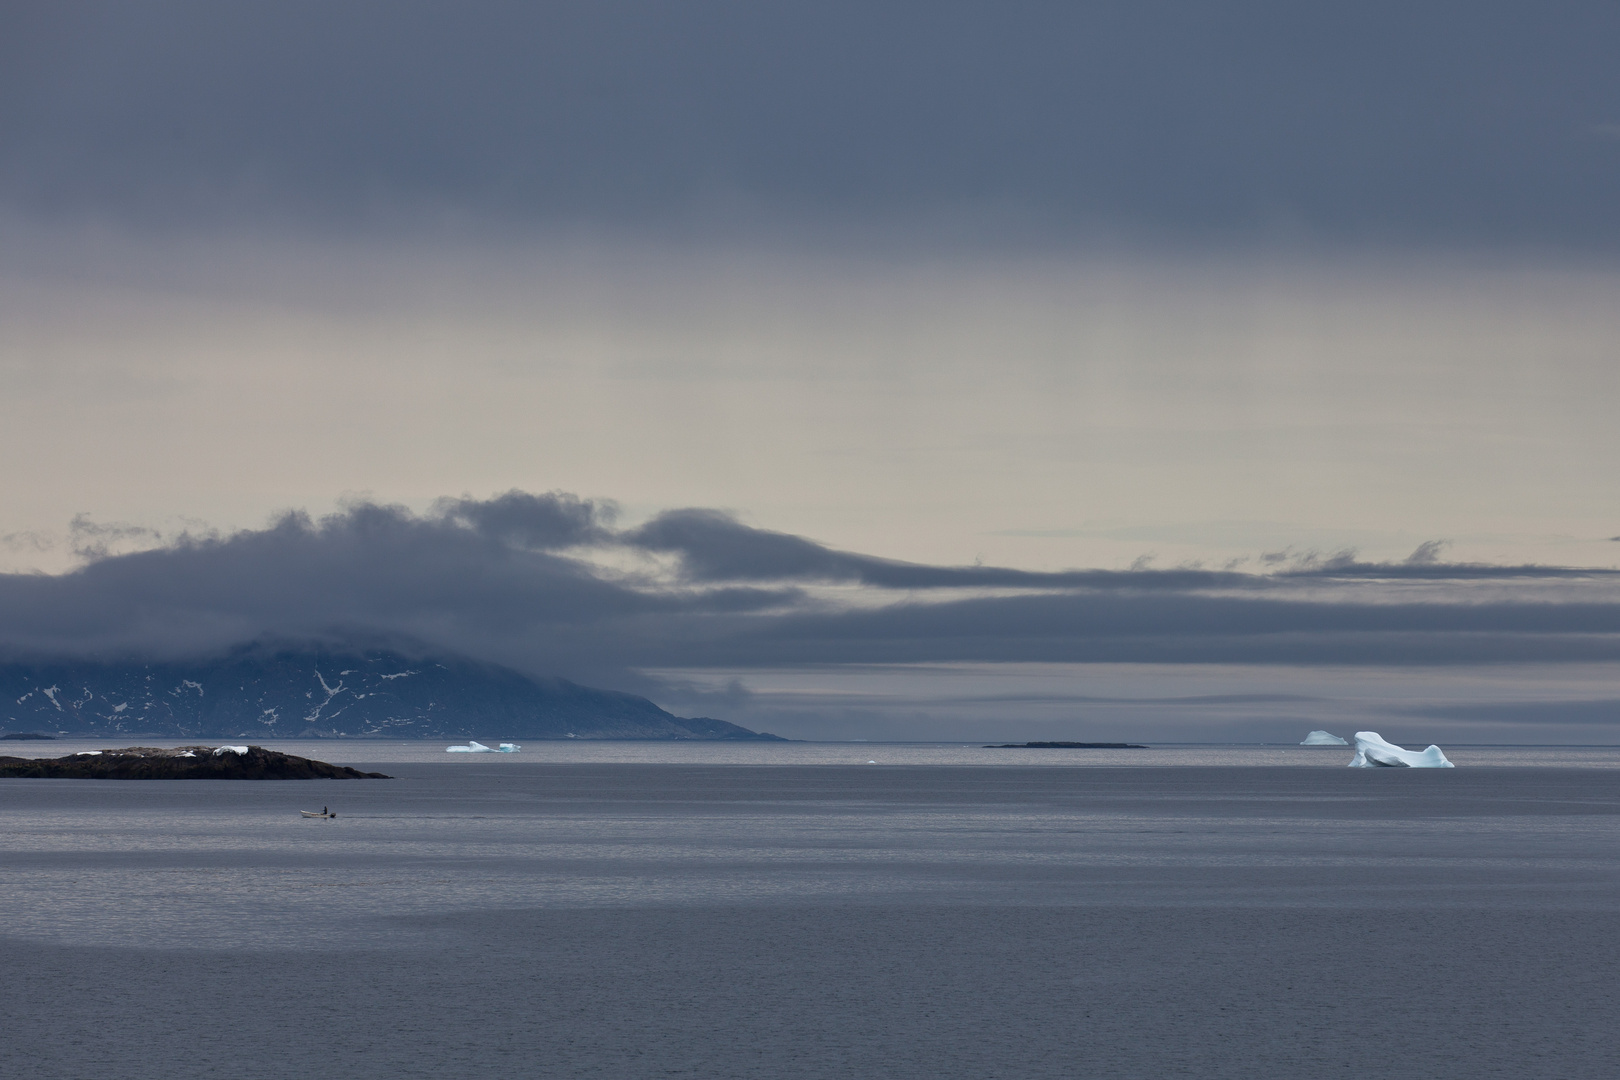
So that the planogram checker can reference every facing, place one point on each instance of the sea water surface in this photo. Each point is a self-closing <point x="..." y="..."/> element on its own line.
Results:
<point x="819" y="910"/>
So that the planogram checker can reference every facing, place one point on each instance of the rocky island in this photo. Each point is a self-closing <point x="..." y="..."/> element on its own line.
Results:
<point x="180" y="763"/>
<point x="1065" y="746"/>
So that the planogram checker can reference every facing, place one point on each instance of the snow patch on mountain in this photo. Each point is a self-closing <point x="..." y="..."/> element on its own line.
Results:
<point x="262" y="692"/>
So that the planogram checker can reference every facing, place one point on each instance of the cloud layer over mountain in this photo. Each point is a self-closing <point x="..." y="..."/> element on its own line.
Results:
<point x="548" y="583"/>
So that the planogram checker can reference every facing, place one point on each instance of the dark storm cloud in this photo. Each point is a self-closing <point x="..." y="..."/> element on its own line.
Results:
<point x="1406" y="571"/>
<point x="512" y="579"/>
<point x="714" y="546"/>
<point x="473" y="576"/>
<point x="1089" y="626"/>
<point x="1472" y="122"/>
<point x="547" y="522"/>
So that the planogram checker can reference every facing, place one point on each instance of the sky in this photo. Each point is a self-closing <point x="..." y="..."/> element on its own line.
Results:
<point x="1121" y="370"/>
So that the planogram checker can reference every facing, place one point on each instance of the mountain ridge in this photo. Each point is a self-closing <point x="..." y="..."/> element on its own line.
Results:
<point x="282" y="691"/>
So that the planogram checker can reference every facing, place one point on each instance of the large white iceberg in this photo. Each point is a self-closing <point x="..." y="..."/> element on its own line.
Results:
<point x="1372" y="751"/>
<point x="1323" y="738"/>
<point x="470" y="748"/>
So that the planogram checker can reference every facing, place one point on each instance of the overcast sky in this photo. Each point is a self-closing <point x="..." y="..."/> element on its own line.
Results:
<point x="1033" y="287"/>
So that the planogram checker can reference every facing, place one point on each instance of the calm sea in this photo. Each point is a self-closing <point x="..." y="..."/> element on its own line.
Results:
<point x="820" y="910"/>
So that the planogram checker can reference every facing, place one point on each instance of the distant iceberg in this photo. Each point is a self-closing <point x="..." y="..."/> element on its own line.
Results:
<point x="470" y="748"/>
<point x="509" y="748"/>
<point x="1372" y="751"/>
<point x="1323" y="738"/>
<point x="218" y="750"/>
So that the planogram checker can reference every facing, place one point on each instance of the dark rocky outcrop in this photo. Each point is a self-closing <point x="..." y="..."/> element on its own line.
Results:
<point x="180" y="763"/>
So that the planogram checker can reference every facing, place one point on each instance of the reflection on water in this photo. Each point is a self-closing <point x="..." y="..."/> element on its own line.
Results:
<point x="214" y="862"/>
<point x="612" y="908"/>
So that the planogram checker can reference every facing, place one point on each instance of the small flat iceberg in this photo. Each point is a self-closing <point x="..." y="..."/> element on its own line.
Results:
<point x="479" y="748"/>
<point x="1323" y="738"/>
<point x="1372" y="752"/>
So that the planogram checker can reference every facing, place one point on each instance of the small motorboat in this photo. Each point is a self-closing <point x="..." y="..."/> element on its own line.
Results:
<point x="323" y="812"/>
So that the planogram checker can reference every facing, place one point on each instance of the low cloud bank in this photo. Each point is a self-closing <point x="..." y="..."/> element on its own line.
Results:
<point x="552" y="585"/>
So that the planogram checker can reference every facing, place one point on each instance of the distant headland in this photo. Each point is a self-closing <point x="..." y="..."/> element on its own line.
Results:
<point x="271" y="690"/>
<point x="1065" y="746"/>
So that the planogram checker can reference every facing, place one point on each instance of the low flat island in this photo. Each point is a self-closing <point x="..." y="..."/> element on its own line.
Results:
<point x="1064" y="746"/>
<point x="180" y="763"/>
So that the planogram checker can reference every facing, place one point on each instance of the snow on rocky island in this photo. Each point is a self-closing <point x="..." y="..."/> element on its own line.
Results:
<point x="1372" y="751"/>
<point x="180" y="763"/>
